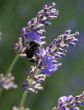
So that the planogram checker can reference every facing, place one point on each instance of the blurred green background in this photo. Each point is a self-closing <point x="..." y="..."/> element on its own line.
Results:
<point x="69" y="79"/>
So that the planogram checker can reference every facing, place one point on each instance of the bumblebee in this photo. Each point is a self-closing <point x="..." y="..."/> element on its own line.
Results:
<point x="30" y="52"/>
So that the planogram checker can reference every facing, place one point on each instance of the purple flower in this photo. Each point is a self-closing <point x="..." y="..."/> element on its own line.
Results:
<point x="33" y="36"/>
<point x="59" y="46"/>
<point x="47" y="63"/>
<point x="70" y="102"/>
<point x="49" y="66"/>
<point x="41" y="20"/>
<point x="48" y="57"/>
<point x="35" y="29"/>
<point x="34" y="84"/>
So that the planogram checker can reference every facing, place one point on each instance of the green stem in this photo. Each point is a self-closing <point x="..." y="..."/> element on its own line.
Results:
<point x="10" y="68"/>
<point x="23" y="99"/>
<point x="24" y="96"/>
<point x="12" y="64"/>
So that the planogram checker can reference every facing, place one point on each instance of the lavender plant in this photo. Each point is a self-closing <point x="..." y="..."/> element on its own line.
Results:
<point x="7" y="82"/>
<point x="46" y="60"/>
<point x="70" y="102"/>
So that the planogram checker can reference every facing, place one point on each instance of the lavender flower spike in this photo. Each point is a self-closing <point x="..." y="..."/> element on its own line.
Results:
<point x="70" y="102"/>
<point x="33" y="83"/>
<point x="7" y="82"/>
<point x="35" y="29"/>
<point x="58" y="47"/>
<point x="48" y="57"/>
